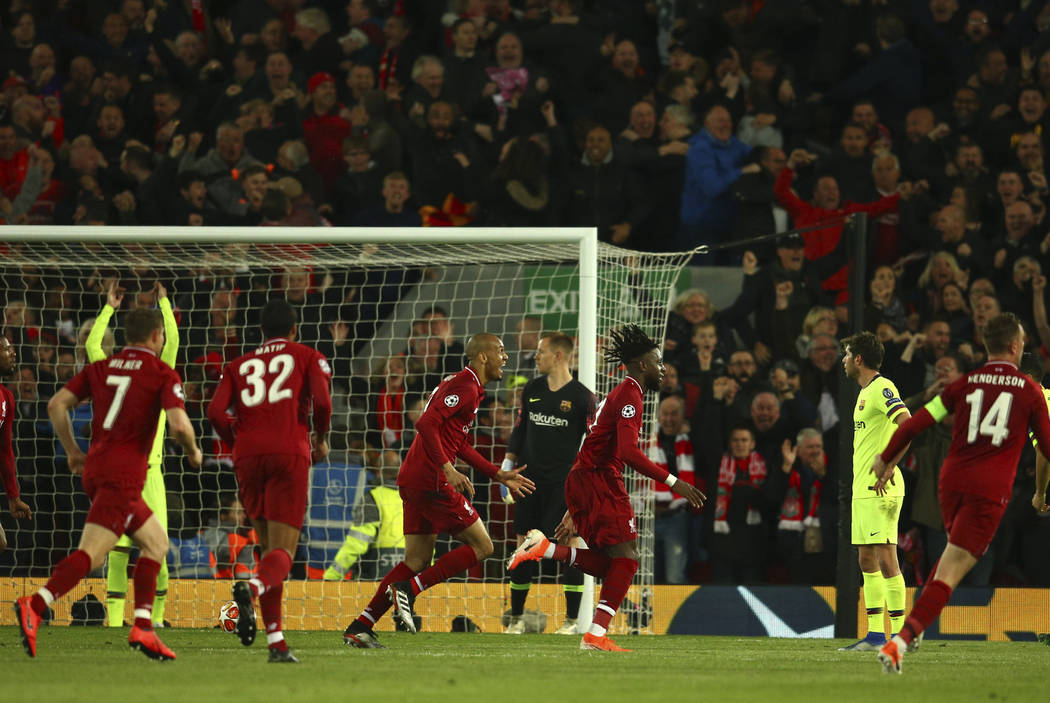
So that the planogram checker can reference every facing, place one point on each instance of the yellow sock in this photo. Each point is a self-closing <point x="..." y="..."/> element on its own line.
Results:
<point x="874" y="597"/>
<point x="896" y="594"/>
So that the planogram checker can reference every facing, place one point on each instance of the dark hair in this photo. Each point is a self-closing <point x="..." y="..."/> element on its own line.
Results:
<point x="251" y="171"/>
<point x="277" y="318"/>
<point x="140" y="323"/>
<point x="255" y="53"/>
<point x="274" y="205"/>
<point x="890" y="29"/>
<point x="188" y="178"/>
<point x="168" y="89"/>
<point x="868" y="347"/>
<point x="560" y="341"/>
<point x="525" y="162"/>
<point x="999" y="331"/>
<point x="139" y="156"/>
<point x="434" y="310"/>
<point x="1032" y="366"/>
<point x="628" y="344"/>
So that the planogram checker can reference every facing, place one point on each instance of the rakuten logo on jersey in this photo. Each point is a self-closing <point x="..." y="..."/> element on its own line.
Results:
<point x="547" y="420"/>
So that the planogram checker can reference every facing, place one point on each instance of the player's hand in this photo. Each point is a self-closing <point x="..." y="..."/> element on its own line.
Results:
<point x="691" y="493"/>
<point x="879" y="468"/>
<point x="460" y="482"/>
<point x="1039" y="502"/>
<point x="114" y="295"/>
<point x="76" y="462"/>
<point x="160" y="291"/>
<point x="19" y="509"/>
<point x="519" y="485"/>
<point x="195" y="457"/>
<point x="318" y="448"/>
<point x="565" y="529"/>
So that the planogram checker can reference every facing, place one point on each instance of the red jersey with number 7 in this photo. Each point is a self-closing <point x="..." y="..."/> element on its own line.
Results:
<point x="993" y="406"/>
<point x="270" y="392"/>
<point x="127" y="391"/>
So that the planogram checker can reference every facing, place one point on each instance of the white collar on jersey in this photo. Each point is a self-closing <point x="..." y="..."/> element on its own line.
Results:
<point x="635" y="380"/>
<point x="275" y="339"/>
<point x="1000" y="361"/>
<point x="138" y="348"/>
<point x="467" y="368"/>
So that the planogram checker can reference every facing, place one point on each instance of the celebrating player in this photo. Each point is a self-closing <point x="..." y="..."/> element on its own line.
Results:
<point x="555" y="410"/>
<point x="436" y="496"/>
<point x="879" y="408"/>
<point x="153" y="491"/>
<point x="270" y="391"/>
<point x="599" y="508"/>
<point x="993" y="406"/>
<point x="128" y="392"/>
<point x="7" y="453"/>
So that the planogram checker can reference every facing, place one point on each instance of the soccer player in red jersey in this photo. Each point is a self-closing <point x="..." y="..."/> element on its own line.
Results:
<point x="599" y="508"/>
<point x="127" y="391"/>
<point x="437" y="497"/>
<point x="7" y="453"/>
<point x="270" y="392"/>
<point x="993" y="406"/>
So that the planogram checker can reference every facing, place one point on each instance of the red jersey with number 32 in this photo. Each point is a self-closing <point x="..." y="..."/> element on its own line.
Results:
<point x="623" y="406"/>
<point x="270" y="391"/>
<point x="127" y="391"/>
<point x="993" y="407"/>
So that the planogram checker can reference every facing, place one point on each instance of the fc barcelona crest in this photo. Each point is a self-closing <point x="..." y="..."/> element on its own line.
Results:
<point x="861" y="405"/>
<point x="566" y="406"/>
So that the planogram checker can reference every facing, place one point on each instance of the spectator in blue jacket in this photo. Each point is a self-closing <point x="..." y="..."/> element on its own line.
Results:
<point x="711" y="168"/>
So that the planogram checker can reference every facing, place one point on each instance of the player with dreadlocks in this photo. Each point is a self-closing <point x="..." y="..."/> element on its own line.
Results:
<point x="599" y="509"/>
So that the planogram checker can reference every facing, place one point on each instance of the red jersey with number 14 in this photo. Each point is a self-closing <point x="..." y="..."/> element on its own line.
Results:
<point x="993" y="407"/>
<point x="623" y="406"/>
<point x="127" y="391"/>
<point x="270" y="392"/>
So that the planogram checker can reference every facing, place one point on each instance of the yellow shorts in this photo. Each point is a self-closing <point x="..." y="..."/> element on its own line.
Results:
<point x="875" y="520"/>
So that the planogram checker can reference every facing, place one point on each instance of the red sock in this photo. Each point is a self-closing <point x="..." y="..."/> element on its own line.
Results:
<point x="270" y="603"/>
<point x="66" y="575"/>
<point x="589" y="561"/>
<point x="273" y="570"/>
<point x="145" y="579"/>
<point x="451" y="563"/>
<point x="927" y="607"/>
<point x="614" y="589"/>
<point x="380" y="603"/>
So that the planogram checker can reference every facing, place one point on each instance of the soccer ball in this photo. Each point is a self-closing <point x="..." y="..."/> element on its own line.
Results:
<point x="228" y="614"/>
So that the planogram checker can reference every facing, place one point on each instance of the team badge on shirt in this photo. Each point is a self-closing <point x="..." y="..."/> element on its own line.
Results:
<point x="177" y="390"/>
<point x="628" y="411"/>
<point x="860" y="405"/>
<point x="887" y="393"/>
<point x="323" y="363"/>
<point x="451" y="400"/>
<point x="566" y="406"/>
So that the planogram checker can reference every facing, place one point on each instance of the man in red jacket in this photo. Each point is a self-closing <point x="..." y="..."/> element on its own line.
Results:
<point x="325" y="128"/>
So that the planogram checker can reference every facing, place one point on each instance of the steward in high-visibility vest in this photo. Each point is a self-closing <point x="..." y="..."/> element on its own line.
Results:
<point x="376" y="541"/>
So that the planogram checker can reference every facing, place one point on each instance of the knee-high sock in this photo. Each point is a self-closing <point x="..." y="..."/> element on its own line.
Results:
<point x="896" y="593"/>
<point x="927" y="607"/>
<point x="572" y="584"/>
<point x="66" y="575"/>
<point x="160" y="599"/>
<point x="273" y="570"/>
<point x="589" y="561"/>
<point x="520" y="580"/>
<point x="116" y="586"/>
<point x="614" y="589"/>
<point x="270" y="603"/>
<point x="451" y="563"/>
<point x="380" y="603"/>
<point x="874" y="599"/>
<point x="145" y="578"/>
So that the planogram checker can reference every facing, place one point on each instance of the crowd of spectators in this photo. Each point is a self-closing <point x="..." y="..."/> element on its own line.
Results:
<point x="664" y="124"/>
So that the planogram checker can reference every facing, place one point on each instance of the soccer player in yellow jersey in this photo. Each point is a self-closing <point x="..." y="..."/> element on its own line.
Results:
<point x="153" y="490"/>
<point x="1032" y="366"/>
<point x="878" y="411"/>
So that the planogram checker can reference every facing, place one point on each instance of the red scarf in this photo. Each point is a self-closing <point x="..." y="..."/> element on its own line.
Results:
<point x="756" y="469"/>
<point x="684" y="464"/>
<point x="389" y="409"/>
<point x="791" y="509"/>
<point x="387" y="66"/>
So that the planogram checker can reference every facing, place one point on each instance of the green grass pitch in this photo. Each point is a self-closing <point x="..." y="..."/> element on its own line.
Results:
<point x="95" y="664"/>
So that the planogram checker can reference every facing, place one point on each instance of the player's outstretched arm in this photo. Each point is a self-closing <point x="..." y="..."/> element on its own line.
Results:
<point x="93" y="343"/>
<point x="181" y="430"/>
<point x="884" y="464"/>
<point x="7" y="473"/>
<point x="58" y="411"/>
<point x="220" y="421"/>
<point x="171" y="327"/>
<point x="457" y="480"/>
<point x="519" y="485"/>
<point x="1042" y="478"/>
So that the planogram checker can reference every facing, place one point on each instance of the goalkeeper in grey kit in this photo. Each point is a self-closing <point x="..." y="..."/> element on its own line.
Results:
<point x="555" y="412"/>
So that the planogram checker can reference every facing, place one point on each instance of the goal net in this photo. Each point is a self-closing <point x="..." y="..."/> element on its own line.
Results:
<point x="391" y="309"/>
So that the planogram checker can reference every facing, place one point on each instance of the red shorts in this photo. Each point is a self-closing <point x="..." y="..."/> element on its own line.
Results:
<point x="600" y="508"/>
<point x="970" y="520"/>
<point x="116" y="503"/>
<point x="433" y="512"/>
<point x="274" y="487"/>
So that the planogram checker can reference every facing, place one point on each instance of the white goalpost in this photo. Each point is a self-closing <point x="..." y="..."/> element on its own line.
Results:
<point x="389" y="307"/>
